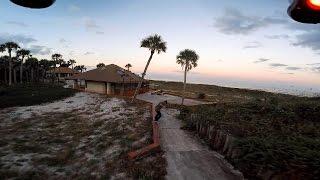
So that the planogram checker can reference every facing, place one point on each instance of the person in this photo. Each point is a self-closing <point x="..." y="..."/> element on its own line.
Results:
<point x="158" y="110"/>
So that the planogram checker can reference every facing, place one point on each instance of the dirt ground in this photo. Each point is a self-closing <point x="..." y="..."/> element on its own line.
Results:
<point x="86" y="136"/>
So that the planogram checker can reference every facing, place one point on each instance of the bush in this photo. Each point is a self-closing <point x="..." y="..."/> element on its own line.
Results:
<point x="201" y="95"/>
<point x="31" y="94"/>
<point x="273" y="135"/>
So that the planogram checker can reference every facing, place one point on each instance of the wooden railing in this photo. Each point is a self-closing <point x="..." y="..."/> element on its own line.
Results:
<point x="155" y="146"/>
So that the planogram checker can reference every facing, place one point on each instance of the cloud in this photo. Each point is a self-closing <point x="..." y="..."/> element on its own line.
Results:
<point x="99" y="32"/>
<point x="90" y="24"/>
<point x="277" y="65"/>
<point x="288" y="73"/>
<point x="74" y="8"/>
<point x="17" y="23"/>
<point x="314" y="64"/>
<point x="62" y="40"/>
<point x="280" y="36"/>
<point x="293" y="68"/>
<point x="40" y="50"/>
<point x="261" y="60"/>
<point x="252" y="45"/>
<point x="233" y="21"/>
<point x="316" y="69"/>
<point x="309" y="40"/>
<point x="18" y="38"/>
<point x="88" y="53"/>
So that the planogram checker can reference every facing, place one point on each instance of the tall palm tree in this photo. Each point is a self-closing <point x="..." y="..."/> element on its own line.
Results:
<point x="15" y="66"/>
<point x="10" y="46"/>
<point x="22" y="53"/>
<point x="72" y="62"/>
<point x="188" y="59"/>
<point x="128" y="66"/>
<point x="45" y="66"/>
<point x="56" y="58"/>
<point x="4" y="64"/>
<point x="32" y="64"/>
<point x="155" y="44"/>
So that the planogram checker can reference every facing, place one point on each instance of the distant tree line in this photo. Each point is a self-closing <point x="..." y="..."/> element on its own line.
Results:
<point x="18" y="65"/>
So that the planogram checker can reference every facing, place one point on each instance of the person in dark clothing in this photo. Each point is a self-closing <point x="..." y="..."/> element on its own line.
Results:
<point x="158" y="110"/>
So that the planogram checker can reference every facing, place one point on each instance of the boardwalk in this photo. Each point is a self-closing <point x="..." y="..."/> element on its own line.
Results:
<point x="187" y="158"/>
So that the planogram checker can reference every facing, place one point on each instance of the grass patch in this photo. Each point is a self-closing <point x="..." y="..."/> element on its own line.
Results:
<point x="32" y="94"/>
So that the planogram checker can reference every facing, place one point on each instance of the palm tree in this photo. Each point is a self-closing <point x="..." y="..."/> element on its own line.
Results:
<point x="80" y="68"/>
<point x="187" y="59"/>
<point x="45" y="66"/>
<point x="100" y="65"/>
<point x="155" y="44"/>
<point x="56" y="58"/>
<point x="128" y="66"/>
<point x="4" y="64"/>
<point x="32" y="64"/>
<point x="22" y="53"/>
<point x="10" y="46"/>
<point x="72" y="62"/>
<point x="2" y="48"/>
<point x="15" y="66"/>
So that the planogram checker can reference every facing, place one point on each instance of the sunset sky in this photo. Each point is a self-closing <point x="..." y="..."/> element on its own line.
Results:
<point x="239" y="42"/>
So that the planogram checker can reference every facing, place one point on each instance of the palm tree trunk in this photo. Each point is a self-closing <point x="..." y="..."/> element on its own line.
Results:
<point x="5" y="75"/>
<point x="184" y="84"/>
<point x="21" y="69"/>
<point x="142" y="77"/>
<point x="10" y="69"/>
<point x="14" y="75"/>
<point x="32" y="78"/>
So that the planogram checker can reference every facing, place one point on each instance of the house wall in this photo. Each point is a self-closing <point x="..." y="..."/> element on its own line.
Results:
<point x="98" y="87"/>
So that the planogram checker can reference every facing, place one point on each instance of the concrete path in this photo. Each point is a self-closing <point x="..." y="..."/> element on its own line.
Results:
<point x="187" y="158"/>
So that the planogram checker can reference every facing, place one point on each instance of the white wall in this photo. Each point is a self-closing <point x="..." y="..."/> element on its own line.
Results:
<point x="98" y="87"/>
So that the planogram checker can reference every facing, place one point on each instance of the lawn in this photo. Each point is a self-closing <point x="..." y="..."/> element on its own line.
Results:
<point x="86" y="136"/>
<point x="31" y="94"/>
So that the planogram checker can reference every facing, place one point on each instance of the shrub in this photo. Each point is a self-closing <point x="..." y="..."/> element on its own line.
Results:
<point x="201" y="95"/>
<point x="31" y="94"/>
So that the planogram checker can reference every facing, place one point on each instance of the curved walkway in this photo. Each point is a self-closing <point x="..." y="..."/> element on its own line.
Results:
<point x="187" y="158"/>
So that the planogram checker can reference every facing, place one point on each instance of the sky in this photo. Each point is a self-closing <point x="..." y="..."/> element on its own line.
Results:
<point x="243" y="43"/>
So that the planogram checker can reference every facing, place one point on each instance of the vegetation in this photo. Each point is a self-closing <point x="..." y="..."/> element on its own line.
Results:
<point x="219" y="94"/>
<point x="31" y="94"/>
<point x="154" y="44"/>
<point x="20" y="64"/>
<point x="80" y="68"/>
<point x="128" y="66"/>
<point x="187" y="59"/>
<point x="100" y="65"/>
<point x="272" y="134"/>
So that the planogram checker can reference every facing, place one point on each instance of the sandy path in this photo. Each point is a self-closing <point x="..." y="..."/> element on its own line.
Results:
<point x="187" y="158"/>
